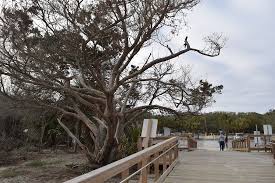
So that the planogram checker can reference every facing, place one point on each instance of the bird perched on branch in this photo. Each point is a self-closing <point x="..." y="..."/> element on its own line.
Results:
<point x="133" y="69"/>
<point x="186" y="44"/>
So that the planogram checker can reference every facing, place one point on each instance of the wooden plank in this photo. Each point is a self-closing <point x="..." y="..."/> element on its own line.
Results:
<point x="202" y="166"/>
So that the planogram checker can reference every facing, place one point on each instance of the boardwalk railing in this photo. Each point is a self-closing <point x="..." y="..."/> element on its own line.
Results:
<point x="137" y="166"/>
<point x="191" y="143"/>
<point x="188" y="142"/>
<point x="244" y="144"/>
<point x="241" y="144"/>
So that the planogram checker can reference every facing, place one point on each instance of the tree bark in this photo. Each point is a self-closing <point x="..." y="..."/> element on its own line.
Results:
<point x="43" y="128"/>
<point x="77" y="134"/>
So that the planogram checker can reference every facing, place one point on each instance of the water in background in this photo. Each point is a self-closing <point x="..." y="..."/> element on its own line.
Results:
<point x="211" y="144"/>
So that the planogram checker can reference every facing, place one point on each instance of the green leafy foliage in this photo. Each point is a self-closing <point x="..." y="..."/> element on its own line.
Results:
<point x="129" y="141"/>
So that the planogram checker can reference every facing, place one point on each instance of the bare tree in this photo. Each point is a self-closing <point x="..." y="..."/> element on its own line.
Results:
<point x="77" y="57"/>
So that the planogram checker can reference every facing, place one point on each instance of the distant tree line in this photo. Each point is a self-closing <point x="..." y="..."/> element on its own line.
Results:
<point x="230" y="122"/>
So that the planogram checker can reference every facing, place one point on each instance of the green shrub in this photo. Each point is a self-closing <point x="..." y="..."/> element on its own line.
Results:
<point x="129" y="141"/>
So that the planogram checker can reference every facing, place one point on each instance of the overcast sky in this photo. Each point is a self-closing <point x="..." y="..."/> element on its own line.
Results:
<point x="246" y="65"/>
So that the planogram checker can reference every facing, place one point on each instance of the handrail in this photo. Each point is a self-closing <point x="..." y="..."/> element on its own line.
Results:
<point x="142" y="157"/>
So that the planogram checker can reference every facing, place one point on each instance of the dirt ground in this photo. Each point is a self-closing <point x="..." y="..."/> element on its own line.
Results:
<point x="46" y="166"/>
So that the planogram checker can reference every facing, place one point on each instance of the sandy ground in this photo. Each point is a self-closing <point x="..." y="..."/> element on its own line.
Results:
<point x="46" y="166"/>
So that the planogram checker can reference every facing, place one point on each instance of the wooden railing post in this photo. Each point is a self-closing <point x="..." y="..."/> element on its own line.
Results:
<point x="189" y="142"/>
<point x="125" y="174"/>
<point x="143" y="174"/>
<point x="248" y="144"/>
<point x="241" y="144"/>
<point x="164" y="161"/>
<point x="170" y="156"/>
<point x="156" y="166"/>
<point x="265" y="143"/>
<point x="175" y="153"/>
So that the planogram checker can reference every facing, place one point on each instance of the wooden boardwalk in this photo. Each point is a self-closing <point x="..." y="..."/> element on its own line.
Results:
<point x="204" y="166"/>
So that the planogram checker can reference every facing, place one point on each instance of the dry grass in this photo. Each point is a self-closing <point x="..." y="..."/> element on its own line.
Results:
<point x="36" y="163"/>
<point x="11" y="172"/>
<point x="42" y="167"/>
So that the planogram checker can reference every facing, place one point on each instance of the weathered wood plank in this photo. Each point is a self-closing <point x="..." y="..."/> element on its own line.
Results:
<point x="204" y="166"/>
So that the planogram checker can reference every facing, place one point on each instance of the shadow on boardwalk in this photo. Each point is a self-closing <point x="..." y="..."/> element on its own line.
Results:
<point x="205" y="166"/>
